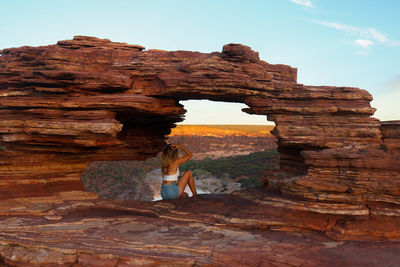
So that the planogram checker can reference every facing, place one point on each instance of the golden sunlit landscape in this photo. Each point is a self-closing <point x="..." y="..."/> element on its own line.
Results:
<point x="222" y="130"/>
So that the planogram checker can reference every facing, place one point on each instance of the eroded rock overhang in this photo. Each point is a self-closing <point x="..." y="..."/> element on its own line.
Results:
<point x="88" y="99"/>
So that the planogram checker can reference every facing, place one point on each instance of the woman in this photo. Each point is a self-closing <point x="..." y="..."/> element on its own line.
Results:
<point x="171" y="188"/>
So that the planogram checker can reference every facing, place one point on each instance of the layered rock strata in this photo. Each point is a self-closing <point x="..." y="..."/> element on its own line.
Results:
<point x="87" y="99"/>
<point x="65" y="105"/>
<point x="245" y="229"/>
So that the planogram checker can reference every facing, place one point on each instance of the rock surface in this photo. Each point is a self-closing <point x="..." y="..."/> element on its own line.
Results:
<point x="250" y="228"/>
<point x="87" y="99"/>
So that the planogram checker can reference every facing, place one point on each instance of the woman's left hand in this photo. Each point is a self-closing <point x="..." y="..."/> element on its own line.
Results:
<point x="174" y="146"/>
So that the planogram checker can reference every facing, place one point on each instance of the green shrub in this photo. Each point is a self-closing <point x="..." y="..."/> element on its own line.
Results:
<point x="248" y="166"/>
<point x="200" y="172"/>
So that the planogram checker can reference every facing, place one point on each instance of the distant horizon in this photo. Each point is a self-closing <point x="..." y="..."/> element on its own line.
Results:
<point x="219" y="112"/>
<point x="227" y="124"/>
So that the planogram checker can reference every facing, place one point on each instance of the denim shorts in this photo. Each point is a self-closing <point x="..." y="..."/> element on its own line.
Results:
<point x="170" y="191"/>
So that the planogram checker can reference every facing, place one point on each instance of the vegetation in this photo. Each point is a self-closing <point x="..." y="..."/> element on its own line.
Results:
<point x="244" y="128"/>
<point x="222" y="130"/>
<point x="126" y="179"/>
<point x="245" y="169"/>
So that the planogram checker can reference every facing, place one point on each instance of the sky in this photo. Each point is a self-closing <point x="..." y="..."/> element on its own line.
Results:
<point x="331" y="42"/>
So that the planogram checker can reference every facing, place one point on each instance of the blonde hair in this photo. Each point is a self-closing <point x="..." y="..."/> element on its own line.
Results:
<point x="169" y="155"/>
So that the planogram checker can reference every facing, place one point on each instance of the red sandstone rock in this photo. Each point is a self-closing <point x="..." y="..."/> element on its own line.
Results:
<point x="90" y="99"/>
<point x="239" y="53"/>
<point x="250" y="228"/>
<point x="391" y="131"/>
<point x="87" y="99"/>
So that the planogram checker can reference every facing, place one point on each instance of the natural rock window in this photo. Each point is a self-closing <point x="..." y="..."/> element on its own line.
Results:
<point x="90" y="99"/>
<point x="335" y="192"/>
<point x="227" y="157"/>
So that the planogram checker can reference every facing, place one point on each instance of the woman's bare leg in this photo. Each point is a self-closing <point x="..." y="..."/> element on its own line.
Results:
<point x="187" y="179"/>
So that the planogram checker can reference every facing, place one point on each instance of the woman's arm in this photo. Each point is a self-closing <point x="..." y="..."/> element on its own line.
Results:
<point x="183" y="159"/>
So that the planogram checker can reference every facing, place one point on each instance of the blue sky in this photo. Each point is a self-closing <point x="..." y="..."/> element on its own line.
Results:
<point x="331" y="42"/>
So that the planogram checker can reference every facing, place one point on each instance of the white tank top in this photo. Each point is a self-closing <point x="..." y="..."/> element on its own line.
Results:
<point x="171" y="177"/>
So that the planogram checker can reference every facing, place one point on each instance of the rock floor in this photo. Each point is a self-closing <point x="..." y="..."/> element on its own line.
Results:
<point x="248" y="228"/>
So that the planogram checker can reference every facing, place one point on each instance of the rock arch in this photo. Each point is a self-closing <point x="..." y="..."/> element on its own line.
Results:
<point x="86" y="99"/>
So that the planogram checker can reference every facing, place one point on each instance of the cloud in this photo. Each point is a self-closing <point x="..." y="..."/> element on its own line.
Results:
<point x="306" y="3"/>
<point x="368" y="36"/>
<point x="363" y="43"/>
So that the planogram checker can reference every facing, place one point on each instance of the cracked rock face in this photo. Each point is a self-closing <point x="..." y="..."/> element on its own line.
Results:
<point x="88" y="99"/>
<point x="248" y="228"/>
